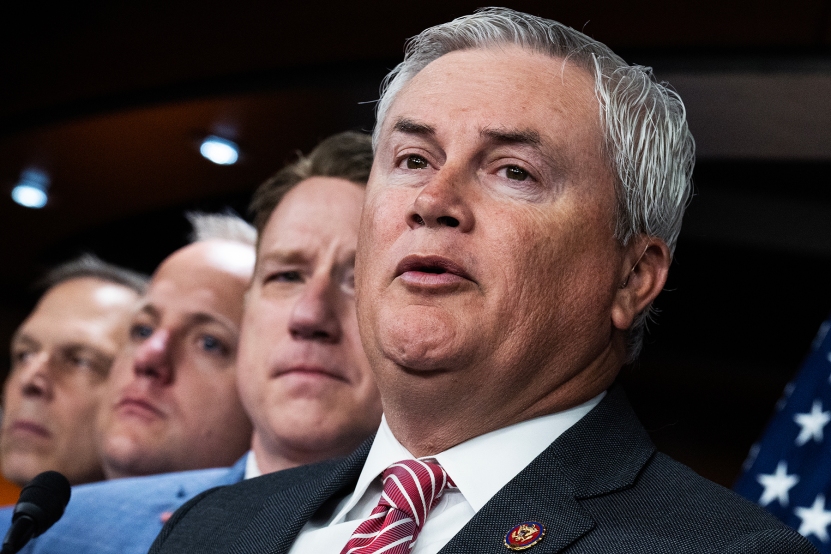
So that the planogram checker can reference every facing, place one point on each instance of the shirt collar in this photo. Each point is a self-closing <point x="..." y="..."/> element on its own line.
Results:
<point x="479" y="467"/>
<point x="251" y="468"/>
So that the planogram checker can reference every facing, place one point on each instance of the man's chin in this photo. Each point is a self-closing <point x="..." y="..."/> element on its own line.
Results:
<point x="22" y="466"/>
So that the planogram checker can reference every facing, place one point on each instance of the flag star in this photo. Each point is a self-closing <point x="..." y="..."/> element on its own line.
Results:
<point x="812" y="424"/>
<point x="815" y="520"/>
<point x="777" y="485"/>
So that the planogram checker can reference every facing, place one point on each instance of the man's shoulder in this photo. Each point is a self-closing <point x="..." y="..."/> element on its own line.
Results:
<point x="670" y="504"/>
<point x="672" y="482"/>
<point x="124" y="515"/>
<point x="152" y="485"/>
<point x="628" y="494"/>
<point x="267" y="510"/>
<point x="250" y="494"/>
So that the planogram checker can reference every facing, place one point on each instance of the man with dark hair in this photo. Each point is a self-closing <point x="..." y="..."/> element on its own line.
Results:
<point x="61" y="358"/>
<point x="304" y="378"/>
<point x="89" y="265"/>
<point x="346" y="156"/>
<point x="302" y="374"/>
<point x="526" y="194"/>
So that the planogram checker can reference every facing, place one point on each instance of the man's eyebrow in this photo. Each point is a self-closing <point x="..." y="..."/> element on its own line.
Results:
<point x="23" y="338"/>
<point x="284" y="257"/>
<point x="149" y="309"/>
<point x="202" y="318"/>
<point x="411" y="127"/>
<point x="507" y="136"/>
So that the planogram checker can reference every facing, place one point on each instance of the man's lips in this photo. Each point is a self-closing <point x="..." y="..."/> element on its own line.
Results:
<point x="308" y="371"/>
<point x="131" y="405"/>
<point x="27" y="427"/>
<point x="430" y="271"/>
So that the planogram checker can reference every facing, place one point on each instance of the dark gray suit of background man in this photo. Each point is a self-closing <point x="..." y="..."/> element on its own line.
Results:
<point x="525" y="199"/>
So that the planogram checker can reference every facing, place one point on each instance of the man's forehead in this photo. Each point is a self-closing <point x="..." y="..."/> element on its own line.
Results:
<point x="200" y="306"/>
<point x="502" y="89"/>
<point x="81" y="306"/>
<point x="86" y="296"/>
<point x="217" y="259"/>
<point x="320" y="214"/>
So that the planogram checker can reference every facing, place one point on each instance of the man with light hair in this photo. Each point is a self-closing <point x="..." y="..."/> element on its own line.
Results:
<point x="172" y="402"/>
<point x="61" y="358"/>
<point x="524" y="203"/>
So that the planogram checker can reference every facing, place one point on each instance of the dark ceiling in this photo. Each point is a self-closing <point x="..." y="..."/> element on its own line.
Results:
<point x="111" y="98"/>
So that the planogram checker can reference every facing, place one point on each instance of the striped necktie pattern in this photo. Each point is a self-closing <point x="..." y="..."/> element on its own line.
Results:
<point x="411" y="489"/>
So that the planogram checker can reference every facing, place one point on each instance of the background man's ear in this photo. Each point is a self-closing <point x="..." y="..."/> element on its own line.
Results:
<point x="646" y="266"/>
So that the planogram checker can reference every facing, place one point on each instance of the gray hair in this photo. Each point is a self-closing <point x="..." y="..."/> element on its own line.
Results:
<point x="90" y="265"/>
<point x="646" y="138"/>
<point x="224" y="226"/>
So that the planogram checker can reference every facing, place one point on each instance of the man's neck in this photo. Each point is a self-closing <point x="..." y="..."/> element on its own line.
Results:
<point x="271" y="458"/>
<point x="426" y="429"/>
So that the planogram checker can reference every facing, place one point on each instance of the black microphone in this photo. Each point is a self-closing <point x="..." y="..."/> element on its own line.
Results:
<point x="40" y="505"/>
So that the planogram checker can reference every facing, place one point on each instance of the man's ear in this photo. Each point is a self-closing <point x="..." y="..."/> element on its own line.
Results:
<point x="643" y="275"/>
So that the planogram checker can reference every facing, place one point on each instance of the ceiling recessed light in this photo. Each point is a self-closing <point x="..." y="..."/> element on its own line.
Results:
<point x="219" y="150"/>
<point x="30" y="191"/>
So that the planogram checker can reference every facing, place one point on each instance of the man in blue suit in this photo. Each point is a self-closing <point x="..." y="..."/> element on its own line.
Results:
<point x="302" y="374"/>
<point x="123" y="516"/>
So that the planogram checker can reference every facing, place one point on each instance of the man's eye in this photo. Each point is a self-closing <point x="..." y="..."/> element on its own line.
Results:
<point x="516" y="173"/>
<point x="415" y="161"/>
<point x="21" y="356"/>
<point x="210" y="343"/>
<point x="286" y="277"/>
<point x="348" y="281"/>
<point x="82" y="361"/>
<point x="140" y="332"/>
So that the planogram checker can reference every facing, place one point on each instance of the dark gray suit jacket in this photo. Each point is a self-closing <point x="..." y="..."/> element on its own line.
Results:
<point x="599" y="488"/>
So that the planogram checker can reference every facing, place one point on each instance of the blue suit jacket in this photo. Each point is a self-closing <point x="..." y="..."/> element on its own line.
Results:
<point x="123" y="516"/>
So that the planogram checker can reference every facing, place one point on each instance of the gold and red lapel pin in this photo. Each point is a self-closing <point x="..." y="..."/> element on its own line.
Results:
<point x="525" y="535"/>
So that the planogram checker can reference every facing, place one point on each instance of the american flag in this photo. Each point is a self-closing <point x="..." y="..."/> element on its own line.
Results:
<point x="788" y="471"/>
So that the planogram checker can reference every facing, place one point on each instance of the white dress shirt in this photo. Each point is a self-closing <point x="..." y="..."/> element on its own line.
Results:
<point x="252" y="469"/>
<point x="479" y="467"/>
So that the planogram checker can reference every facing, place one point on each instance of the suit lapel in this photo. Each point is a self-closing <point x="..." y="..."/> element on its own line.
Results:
<point x="285" y="512"/>
<point x="602" y="453"/>
<point x="541" y="493"/>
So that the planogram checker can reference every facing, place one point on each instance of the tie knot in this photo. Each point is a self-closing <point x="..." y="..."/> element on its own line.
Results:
<point x="414" y="487"/>
<point x="411" y="489"/>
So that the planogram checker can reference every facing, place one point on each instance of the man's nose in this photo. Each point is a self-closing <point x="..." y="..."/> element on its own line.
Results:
<point x="442" y="202"/>
<point x="34" y="378"/>
<point x="314" y="315"/>
<point x="153" y="358"/>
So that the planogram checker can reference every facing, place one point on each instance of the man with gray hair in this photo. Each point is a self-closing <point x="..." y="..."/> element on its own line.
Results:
<point x="61" y="358"/>
<point x="525" y="199"/>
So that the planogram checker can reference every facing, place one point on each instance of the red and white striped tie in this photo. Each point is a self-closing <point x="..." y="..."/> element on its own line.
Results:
<point x="411" y="489"/>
